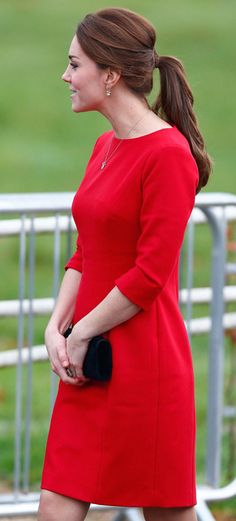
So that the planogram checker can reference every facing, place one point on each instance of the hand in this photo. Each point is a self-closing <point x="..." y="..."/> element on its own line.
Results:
<point x="56" y="348"/>
<point x="76" y="349"/>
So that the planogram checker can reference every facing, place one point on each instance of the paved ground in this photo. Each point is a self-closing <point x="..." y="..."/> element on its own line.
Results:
<point x="106" y="515"/>
<point x="224" y="516"/>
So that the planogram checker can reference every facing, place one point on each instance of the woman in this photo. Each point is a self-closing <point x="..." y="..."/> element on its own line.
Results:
<point x="129" y="441"/>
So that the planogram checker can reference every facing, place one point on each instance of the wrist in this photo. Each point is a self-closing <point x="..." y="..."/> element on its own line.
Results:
<point x="54" y="327"/>
<point x="51" y="330"/>
<point x="82" y="329"/>
<point x="59" y="324"/>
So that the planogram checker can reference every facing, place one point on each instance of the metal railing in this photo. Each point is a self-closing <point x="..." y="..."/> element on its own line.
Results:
<point x="27" y="217"/>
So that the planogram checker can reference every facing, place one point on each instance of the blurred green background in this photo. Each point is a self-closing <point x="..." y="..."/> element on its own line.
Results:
<point x="44" y="147"/>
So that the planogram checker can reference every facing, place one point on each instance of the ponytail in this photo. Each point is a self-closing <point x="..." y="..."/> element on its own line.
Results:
<point x="175" y="104"/>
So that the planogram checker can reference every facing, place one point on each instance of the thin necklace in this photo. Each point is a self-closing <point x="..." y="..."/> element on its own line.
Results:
<point x="107" y="157"/>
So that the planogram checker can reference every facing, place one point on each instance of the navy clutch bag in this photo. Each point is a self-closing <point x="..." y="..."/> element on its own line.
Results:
<point x="98" y="359"/>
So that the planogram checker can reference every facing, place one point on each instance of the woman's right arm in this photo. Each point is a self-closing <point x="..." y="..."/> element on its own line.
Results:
<point x="60" y="320"/>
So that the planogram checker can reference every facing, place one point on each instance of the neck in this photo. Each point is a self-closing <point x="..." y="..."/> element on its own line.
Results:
<point x="124" y="110"/>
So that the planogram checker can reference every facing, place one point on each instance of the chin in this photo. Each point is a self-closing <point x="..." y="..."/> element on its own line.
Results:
<point x="83" y="109"/>
<point x="75" y="108"/>
<point x="85" y="106"/>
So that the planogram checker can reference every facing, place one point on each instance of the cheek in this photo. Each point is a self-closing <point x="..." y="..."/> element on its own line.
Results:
<point x="96" y="82"/>
<point x="98" y="88"/>
<point x="93" y="89"/>
<point x="76" y="79"/>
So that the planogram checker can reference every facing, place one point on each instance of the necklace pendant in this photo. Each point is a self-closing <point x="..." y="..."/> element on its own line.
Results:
<point x="103" y="165"/>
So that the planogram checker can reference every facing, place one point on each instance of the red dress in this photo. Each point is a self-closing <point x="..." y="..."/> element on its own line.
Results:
<point x="131" y="441"/>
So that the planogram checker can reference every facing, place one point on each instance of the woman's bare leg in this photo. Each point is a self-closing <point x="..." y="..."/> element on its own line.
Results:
<point x="169" y="514"/>
<point x="55" y="507"/>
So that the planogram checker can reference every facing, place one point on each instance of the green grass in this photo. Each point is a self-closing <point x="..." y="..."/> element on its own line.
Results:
<point x="39" y="424"/>
<point x="45" y="147"/>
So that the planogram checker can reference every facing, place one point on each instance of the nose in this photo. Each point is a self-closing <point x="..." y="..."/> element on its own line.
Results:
<point x="65" y="76"/>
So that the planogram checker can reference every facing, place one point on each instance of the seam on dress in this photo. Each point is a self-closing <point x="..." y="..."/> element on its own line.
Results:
<point x="101" y="459"/>
<point x="194" y="438"/>
<point x="165" y="148"/>
<point x="157" y="407"/>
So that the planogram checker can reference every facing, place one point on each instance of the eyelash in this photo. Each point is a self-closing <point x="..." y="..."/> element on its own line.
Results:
<point x="73" y="66"/>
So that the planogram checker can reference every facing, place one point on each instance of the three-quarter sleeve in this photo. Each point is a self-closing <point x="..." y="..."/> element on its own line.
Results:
<point x="76" y="261"/>
<point x="168" y="195"/>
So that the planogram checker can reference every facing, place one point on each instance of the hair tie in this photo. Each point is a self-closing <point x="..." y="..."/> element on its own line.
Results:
<point x="156" y="59"/>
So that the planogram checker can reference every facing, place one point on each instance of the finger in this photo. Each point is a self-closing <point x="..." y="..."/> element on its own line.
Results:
<point x="79" y="372"/>
<point x="69" y="380"/>
<point x="61" y="372"/>
<point x="55" y="371"/>
<point x="82" y="379"/>
<point x="62" y="356"/>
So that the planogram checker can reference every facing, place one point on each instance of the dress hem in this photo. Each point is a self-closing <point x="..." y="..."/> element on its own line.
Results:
<point x="117" y="504"/>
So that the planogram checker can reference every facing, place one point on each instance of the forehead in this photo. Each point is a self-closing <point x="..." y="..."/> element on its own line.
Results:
<point x="75" y="49"/>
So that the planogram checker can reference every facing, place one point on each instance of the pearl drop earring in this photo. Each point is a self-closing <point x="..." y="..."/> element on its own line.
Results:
<point x="108" y="92"/>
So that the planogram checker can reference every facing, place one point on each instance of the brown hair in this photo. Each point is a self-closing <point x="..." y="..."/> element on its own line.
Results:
<point x="125" y="41"/>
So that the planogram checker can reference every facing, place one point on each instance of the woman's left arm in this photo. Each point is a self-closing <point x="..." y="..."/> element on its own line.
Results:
<point x="169" y="187"/>
<point x="114" y="309"/>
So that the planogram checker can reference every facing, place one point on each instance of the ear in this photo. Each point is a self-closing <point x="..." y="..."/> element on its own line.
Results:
<point x="111" y="77"/>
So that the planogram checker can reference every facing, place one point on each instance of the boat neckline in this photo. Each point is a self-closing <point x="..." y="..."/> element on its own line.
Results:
<point x="144" y="135"/>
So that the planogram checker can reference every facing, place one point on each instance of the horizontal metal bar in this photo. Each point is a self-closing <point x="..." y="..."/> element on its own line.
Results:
<point x="133" y="514"/>
<point x="204" y="295"/>
<point x="40" y="306"/>
<point x="229" y="411"/>
<point x="43" y="306"/>
<point x="61" y="201"/>
<point x="202" y="325"/>
<point x="29" y="508"/>
<point x="10" y="357"/>
<point x="197" y="326"/>
<point x="214" y="199"/>
<point x="208" y="493"/>
<point x="230" y="268"/>
<point x="18" y="509"/>
<point x="27" y="504"/>
<point x="35" y="202"/>
<point x="11" y="227"/>
<point x="19" y="497"/>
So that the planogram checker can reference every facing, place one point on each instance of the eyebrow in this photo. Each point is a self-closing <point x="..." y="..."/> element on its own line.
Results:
<point x="71" y="57"/>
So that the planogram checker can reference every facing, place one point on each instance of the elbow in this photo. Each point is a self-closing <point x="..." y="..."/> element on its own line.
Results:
<point x="138" y="287"/>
